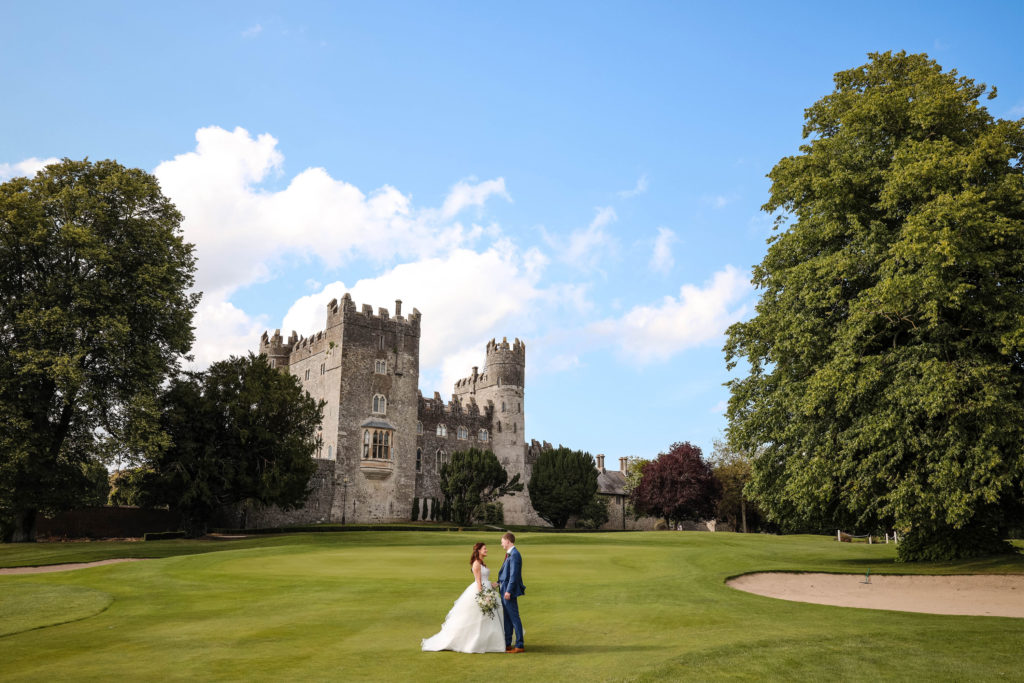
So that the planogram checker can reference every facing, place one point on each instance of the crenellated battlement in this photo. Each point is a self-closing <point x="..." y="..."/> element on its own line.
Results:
<point x="277" y="349"/>
<point x="455" y="407"/>
<point x="345" y="312"/>
<point x="516" y="349"/>
<point x="504" y="365"/>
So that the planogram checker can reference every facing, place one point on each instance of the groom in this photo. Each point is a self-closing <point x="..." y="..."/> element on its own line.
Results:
<point x="510" y="583"/>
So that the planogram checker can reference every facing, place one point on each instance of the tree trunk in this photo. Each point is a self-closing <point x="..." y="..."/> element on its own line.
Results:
<point x="24" y="528"/>
<point x="743" y="514"/>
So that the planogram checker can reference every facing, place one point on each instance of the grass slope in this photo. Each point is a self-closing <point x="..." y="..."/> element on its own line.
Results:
<point x="639" y="606"/>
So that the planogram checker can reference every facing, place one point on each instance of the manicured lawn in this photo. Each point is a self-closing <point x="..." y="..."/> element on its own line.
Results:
<point x="354" y="605"/>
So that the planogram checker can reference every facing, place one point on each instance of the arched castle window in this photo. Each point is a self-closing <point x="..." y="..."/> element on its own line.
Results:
<point x="441" y="458"/>
<point x="513" y="427"/>
<point x="382" y="342"/>
<point x="503" y="406"/>
<point x="499" y="426"/>
<point x="419" y="427"/>
<point x="442" y="430"/>
<point x="419" y="459"/>
<point x="330" y="452"/>
<point x="323" y="368"/>
<point x="307" y="374"/>
<point x="377" y="444"/>
<point x="463" y="433"/>
<point x="380" y="404"/>
<point x="482" y="436"/>
<point x="380" y="367"/>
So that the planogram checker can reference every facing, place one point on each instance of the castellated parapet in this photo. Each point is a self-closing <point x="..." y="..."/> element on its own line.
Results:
<point x="386" y="441"/>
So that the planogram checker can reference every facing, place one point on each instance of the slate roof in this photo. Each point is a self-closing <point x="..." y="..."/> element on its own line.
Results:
<point x="611" y="483"/>
<point x="377" y="423"/>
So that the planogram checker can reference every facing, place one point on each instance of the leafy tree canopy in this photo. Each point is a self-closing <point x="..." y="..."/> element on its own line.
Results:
<point x="562" y="485"/>
<point x="677" y="486"/>
<point x="240" y="432"/>
<point x="733" y="471"/>
<point x="472" y="479"/>
<point x="94" y="314"/>
<point x="886" y="356"/>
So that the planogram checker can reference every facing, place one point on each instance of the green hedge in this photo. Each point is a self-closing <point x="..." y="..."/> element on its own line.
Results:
<point x="325" y="528"/>
<point x="163" y="535"/>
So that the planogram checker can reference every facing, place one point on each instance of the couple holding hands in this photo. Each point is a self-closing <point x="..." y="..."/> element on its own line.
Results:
<point x="485" y="618"/>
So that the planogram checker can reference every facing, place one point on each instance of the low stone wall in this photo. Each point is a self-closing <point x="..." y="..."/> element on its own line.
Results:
<point x="105" y="522"/>
<point x="317" y="509"/>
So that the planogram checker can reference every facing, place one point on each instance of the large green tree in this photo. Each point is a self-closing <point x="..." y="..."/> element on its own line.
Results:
<point x="886" y="356"/>
<point x="240" y="432"/>
<point x="471" y="480"/>
<point x="563" y="484"/>
<point x="94" y="314"/>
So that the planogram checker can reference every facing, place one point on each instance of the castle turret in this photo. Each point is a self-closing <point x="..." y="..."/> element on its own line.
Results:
<point x="276" y="349"/>
<point x="499" y="389"/>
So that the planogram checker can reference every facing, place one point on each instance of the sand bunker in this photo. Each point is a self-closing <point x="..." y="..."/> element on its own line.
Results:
<point x="65" y="567"/>
<point x="990" y="595"/>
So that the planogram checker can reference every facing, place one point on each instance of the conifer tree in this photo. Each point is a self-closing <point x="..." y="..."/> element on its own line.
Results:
<point x="471" y="479"/>
<point x="563" y="484"/>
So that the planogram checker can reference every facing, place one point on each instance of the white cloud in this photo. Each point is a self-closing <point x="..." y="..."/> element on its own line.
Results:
<point x="698" y="316"/>
<point x="662" y="260"/>
<point x="640" y="188"/>
<point x="586" y="246"/>
<point x="27" y="167"/>
<point x="252" y="31"/>
<point x="466" y="298"/>
<point x="242" y="231"/>
<point x="222" y="329"/>
<point x="465" y="194"/>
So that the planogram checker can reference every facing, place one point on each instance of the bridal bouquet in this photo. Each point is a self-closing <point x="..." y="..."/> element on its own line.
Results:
<point x="488" y="601"/>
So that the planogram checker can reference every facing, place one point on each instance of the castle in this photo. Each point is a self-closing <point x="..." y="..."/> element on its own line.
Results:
<point x="383" y="443"/>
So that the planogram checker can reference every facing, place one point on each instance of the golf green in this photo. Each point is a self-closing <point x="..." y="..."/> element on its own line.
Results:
<point x="354" y="605"/>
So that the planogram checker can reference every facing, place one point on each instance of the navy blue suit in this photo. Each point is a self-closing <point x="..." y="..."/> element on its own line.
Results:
<point x="510" y="580"/>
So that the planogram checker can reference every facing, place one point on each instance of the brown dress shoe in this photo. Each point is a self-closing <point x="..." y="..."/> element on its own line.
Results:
<point x="510" y="649"/>
<point x="519" y="649"/>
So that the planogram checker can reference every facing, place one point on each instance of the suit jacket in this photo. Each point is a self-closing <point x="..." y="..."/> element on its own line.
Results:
<point x="510" y="578"/>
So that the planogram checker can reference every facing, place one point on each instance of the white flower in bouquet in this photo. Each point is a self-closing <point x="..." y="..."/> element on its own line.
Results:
<point x="488" y="601"/>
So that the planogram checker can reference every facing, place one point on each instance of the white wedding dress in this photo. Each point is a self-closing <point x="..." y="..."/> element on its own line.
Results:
<point x="466" y="628"/>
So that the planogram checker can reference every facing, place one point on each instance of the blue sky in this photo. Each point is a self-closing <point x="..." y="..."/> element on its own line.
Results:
<point x="585" y="176"/>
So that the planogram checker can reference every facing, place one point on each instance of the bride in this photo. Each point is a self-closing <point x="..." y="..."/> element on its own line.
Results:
<point x="467" y="628"/>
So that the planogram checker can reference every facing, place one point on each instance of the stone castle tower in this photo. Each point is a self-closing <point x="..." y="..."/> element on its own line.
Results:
<point x="383" y="443"/>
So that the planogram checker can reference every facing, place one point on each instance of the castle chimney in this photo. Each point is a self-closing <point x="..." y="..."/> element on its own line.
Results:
<point x="600" y="463"/>
<point x="398" y="307"/>
<point x="622" y="465"/>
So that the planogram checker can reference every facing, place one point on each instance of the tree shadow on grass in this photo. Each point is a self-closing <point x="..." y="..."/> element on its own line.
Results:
<point x="585" y="649"/>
